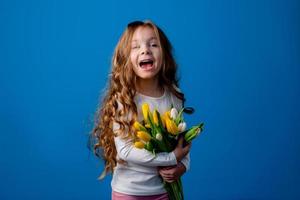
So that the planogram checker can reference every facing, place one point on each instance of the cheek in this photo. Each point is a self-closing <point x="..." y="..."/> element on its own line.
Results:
<point x="159" y="61"/>
<point x="132" y="58"/>
<point x="133" y="61"/>
<point x="159" y="58"/>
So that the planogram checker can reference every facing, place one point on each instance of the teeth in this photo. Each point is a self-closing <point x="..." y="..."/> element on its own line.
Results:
<point x="147" y="61"/>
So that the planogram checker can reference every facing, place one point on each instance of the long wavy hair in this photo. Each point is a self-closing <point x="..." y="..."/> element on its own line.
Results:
<point x="121" y="90"/>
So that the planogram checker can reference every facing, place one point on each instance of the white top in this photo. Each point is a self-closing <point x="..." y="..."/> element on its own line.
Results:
<point x="139" y="175"/>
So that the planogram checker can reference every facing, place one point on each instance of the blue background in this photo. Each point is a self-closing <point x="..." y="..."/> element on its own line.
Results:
<point x="239" y="67"/>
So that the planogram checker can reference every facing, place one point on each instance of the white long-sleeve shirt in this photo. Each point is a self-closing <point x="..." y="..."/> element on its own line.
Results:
<point x="139" y="174"/>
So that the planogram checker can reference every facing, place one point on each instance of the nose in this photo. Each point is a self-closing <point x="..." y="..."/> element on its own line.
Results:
<point x="145" y="50"/>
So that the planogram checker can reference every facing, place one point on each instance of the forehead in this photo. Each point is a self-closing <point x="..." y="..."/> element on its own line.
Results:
<point x="144" y="33"/>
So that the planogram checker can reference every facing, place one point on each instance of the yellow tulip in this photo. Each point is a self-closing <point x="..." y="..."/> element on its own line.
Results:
<point x="145" y="110"/>
<point x="164" y="116"/>
<point x="155" y="117"/>
<point x="138" y="127"/>
<point x="139" y="144"/>
<point x="168" y="113"/>
<point x="171" y="126"/>
<point x="143" y="135"/>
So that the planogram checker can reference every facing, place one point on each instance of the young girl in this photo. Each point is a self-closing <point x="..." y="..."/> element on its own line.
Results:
<point x="143" y="70"/>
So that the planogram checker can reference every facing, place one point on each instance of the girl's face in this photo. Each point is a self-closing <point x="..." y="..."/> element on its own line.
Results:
<point x="145" y="54"/>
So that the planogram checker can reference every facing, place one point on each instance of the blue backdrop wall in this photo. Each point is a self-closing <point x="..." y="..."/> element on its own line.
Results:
<point x="239" y="67"/>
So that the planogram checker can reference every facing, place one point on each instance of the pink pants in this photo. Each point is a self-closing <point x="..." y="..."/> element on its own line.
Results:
<point x="120" y="196"/>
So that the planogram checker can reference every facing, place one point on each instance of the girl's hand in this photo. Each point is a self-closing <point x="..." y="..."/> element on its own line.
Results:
<point x="172" y="173"/>
<point x="181" y="151"/>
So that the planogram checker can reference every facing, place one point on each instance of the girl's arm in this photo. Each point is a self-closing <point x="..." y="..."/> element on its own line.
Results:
<point x="171" y="174"/>
<point x="127" y="152"/>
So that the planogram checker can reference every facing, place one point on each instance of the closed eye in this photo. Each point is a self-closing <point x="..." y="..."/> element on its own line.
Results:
<point x="135" y="47"/>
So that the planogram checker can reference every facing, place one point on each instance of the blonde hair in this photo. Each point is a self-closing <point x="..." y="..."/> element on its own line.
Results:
<point x="121" y="90"/>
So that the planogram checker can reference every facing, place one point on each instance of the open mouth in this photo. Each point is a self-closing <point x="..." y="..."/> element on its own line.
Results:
<point x="145" y="64"/>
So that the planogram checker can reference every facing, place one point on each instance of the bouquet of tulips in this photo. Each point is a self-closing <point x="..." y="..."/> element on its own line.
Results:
<point x="159" y="133"/>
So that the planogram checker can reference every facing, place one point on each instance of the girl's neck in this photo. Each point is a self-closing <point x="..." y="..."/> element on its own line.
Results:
<point x="149" y="88"/>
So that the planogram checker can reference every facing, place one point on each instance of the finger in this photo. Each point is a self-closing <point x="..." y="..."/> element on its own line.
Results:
<point x="167" y="174"/>
<point x="164" y="173"/>
<point x="180" y="141"/>
<point x="170" y="171"/>
<point x="170" y="180"/>
<point x="167" y="177"/>
<point x="187" y="147"/>
<point x="168" y="167"/>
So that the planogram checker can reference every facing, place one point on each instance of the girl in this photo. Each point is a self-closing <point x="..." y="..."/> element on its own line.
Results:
<point x="143" y="70"/>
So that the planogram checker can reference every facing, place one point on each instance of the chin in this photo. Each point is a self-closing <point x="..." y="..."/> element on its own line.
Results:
<point x="146" y="76"/>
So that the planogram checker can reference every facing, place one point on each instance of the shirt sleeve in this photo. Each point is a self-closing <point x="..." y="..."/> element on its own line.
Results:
<point x="127" y="152"/>
<point x="186" y="162"/>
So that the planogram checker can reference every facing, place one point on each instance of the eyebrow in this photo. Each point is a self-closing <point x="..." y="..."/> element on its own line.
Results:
<point x="152" y="38"/>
